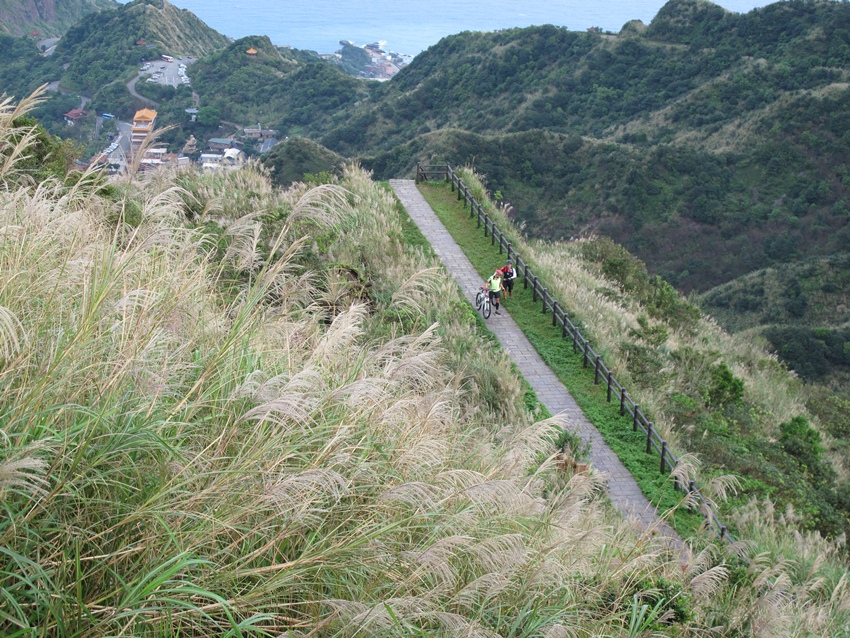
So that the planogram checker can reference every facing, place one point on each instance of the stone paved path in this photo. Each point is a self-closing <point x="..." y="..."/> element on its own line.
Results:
<point x="623" y="490"/>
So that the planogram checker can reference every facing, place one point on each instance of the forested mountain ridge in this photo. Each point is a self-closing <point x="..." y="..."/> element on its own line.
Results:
<point x="100" y="49"/>
<point x="709" y="143"/>
<point x="46" y="18"/>
<point x="284" y="88"/>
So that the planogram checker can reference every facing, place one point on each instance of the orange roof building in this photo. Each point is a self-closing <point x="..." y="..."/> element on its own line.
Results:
<point x="143" y="123"/>
<point x="252" y="52"/>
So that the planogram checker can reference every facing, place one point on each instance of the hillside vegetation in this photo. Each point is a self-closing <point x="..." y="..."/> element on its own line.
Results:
<point x="234" y="410"/>
<point x="721" y="397"/>
<point x="690" y="138"/>
<point x="47" y="18"/>
<point x="104" y="48"/>
<point x="281" y="88"/>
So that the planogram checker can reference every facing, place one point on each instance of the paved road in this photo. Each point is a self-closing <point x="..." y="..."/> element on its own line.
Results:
<point x="623" y="490"/>
<point x="48" y="45"/>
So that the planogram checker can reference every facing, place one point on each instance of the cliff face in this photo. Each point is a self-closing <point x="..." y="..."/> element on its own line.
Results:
<point x="49" y="18"/>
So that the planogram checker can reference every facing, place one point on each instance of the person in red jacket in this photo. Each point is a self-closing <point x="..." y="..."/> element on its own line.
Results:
<point x="508" y="276"/>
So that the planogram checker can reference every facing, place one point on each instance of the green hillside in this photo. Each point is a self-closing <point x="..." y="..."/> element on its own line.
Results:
<point x="22" y="67"/>
<point x="281" y="88"/>
<point x="234" y="410"/>
<point x="104" y="48"/>
<point x="802" y="309"/>
<point x="46" y="18"/>
<point x="293" y="159"/>
<point x="703" y="133"/>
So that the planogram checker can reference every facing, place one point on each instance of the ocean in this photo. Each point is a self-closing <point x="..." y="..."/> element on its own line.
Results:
<point x="411" y="27"/>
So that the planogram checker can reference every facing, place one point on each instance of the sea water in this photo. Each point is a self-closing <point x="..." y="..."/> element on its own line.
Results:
<point x="411" y="27"/>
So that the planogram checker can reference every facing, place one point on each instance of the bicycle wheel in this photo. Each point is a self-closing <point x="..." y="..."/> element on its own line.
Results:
<point x="479" y="299"/>
<point x="485" y="308"/>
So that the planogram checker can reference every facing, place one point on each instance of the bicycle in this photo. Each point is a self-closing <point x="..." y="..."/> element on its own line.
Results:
<point x="482" y="302"/>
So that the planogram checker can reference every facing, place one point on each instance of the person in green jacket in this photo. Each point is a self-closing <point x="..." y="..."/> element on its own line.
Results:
<point x="494" y="286"/>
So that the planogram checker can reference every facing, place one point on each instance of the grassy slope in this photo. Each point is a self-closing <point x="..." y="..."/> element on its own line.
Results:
<point x="738" y="435"/>
<point x="219" y="421"/>
<point x="558" y="354"/>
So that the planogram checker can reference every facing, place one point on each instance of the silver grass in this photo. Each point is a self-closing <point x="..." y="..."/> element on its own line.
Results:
<point x="504" y="497"/>
<point x="501" y="553"/>
<point x="12" y="335"/>
<point x="136" y="159"/>
<point x="341" y="335"/>
<point x="25" y="474"/>
<point x="460" y="479"/>
<point x="706" y="584"/>
<point x="437" y="566"/>
<point x="363" y="393"/>
<point x="423" y="496"/>
<point x="284" y="410"/>
<point x="415" y="291"/>
<point x="13" y="151"/>
<point x="487" y="587"/>
<point x="686" y="469"/>
<point x="526" y="444"/>
<point x="325" y="205"/>
<point x="244" y="249"/>
<point x="561" y="631"/>
<point x="301" y="496"/>
<point x="423" y="457"/>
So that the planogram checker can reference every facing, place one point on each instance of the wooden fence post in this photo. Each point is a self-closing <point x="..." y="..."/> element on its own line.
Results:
<point x="596" y="371"/>
<point x="543" y="297"/>
<point x="534" y="289"/>
<point x="663" y="456"/>
<point x="635" y="418"/>
<point x="649" y="438"/>
<point x="609" y="385"/>
<point x="555" y="308"/>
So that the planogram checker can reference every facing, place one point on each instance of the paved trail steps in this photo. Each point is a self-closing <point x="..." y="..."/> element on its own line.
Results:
<point x="623" y="490"/>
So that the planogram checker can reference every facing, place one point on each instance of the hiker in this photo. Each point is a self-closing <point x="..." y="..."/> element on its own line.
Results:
<point x="494" y="286"/>
<point x="508" y="276"/>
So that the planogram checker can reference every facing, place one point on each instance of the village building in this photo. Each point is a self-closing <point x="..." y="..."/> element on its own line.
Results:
<point x="252" y="52"/>
<point x="233" y="157"/>
<point x="143" y="123"/>
<point x="259" y="133"/>
<point x="75" y="115"/>
<point x="220" y="143"/>
<point x="210" y="160"/>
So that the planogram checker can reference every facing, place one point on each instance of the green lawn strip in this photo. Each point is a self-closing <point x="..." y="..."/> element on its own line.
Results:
<point x="558" y="354"/>
<point x="414" y="238"/>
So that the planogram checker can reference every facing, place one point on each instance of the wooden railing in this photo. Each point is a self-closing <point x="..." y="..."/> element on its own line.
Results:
<point x="590" y="359"/>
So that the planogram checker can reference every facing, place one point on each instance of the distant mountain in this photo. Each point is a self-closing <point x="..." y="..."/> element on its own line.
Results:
<point x="101" y="49"/>
<point x="710" y="143"/>
<point x="279" y="87"/>
<point x="46" y="18"/>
